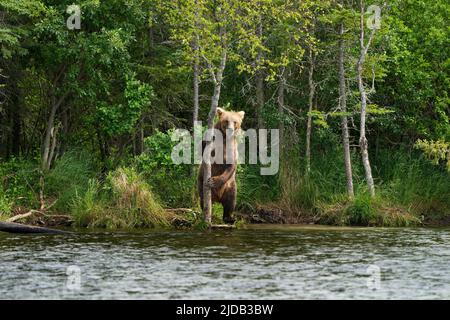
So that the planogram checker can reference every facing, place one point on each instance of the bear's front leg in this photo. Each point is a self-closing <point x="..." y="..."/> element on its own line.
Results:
<point x="215" y="182"/>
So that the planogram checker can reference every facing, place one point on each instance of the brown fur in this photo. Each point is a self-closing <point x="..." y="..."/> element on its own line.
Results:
<point x="223" y="176"/>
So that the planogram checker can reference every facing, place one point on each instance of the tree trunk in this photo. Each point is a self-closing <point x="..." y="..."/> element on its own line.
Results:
<point x="363" y="143"/>
<point x="64" y="132"/>
<point x="196" y="71"/>
<point x="13" y="227"/>
<point x="47" y="143"/>
<point x="260" y="98"/>
<point x="207" y="203"/>
<point x="344" y="122"/>
<point x="259" y="78"/>
<point x="196" y="89"/>
<point x="312" y="88"/>
<point x="16" y="128"/>
<point x="52" y="146"/>
<point x="280" y="100"/>
<point x="48" y="137"/>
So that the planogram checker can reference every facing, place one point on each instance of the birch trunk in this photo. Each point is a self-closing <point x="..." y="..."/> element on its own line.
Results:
<point x="280" y="100"/>
<point x="311" y="86"/>
<point x="196" y="74"/>
<point x="363" y="143"/>
<point x="259" y="82"/>
<point x="207" y="203"/>
<point x="344" y="122"/>
<point x="196" y="92"/>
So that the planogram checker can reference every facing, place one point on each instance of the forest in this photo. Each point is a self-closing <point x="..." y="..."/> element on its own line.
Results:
<point x="91" y="92"/>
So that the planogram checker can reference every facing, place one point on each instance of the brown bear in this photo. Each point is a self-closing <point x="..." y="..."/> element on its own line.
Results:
<point x="223" y="176"/>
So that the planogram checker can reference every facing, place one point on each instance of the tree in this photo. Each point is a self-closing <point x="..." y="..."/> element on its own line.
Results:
<point x="363" y="143"/>
<point x="343" y="109"/>
<point x="312" y="88"/>
<point x="212" y="32"/>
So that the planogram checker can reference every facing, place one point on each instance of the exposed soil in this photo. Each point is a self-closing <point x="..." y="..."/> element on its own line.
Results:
<point x="274" y="215"/>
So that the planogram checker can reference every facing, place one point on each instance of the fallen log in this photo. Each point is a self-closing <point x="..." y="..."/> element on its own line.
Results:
<point x="23" y="215"/>
<point x="37" y="218"/>
<point x="13" y="227"/>
<point x="223" y="226"/>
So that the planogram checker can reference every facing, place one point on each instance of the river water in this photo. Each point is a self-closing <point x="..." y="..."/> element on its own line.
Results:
<point x="264" y="262"/>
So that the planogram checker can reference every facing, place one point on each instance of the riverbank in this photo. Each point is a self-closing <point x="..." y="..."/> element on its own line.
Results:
<point x="155" y="193"/>
<point x="266" y="216"/>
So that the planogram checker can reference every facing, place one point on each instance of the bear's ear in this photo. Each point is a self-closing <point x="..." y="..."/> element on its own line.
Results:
<point x="241" y="114"/>
<point x="220" y="111"/>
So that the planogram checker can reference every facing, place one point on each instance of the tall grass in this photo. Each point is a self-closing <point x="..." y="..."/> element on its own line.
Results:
<point x="126" y="201"/>
<point x="19" y="183"/>
<point x="70" y="176"/>
<point x="175" y="184"/>
<point x="364" y="210"/>
<point x="301" y="193"/>
<point x="252" y="187"/>
<point x="409" y="189"/>
<point x="412" y="181"/>
<point x="5" y="204"/>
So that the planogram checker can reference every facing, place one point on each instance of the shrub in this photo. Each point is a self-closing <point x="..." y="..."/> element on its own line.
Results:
<point x="19" y="184"/>
<point x="175" y="184"/>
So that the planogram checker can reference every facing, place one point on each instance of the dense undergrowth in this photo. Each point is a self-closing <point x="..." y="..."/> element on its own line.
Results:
<point x="410" y="190"/>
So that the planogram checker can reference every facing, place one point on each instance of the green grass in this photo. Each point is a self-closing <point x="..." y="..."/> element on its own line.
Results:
<point x="365" y="211"/>
<point x="126" y="201"/>
<point x="5" y="204"/>
<point x="409" y="190"/>
<point x="412" y="181"/>
<point x="69" y="177"/>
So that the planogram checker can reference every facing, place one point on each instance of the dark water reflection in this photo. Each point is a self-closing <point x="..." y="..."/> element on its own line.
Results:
<point x="270" y="262"/>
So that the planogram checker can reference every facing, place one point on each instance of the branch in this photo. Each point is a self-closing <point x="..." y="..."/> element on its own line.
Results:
<point x="210" y="68"/>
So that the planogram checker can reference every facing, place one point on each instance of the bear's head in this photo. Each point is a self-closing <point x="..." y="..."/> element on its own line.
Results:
<point x="230" y="119"/>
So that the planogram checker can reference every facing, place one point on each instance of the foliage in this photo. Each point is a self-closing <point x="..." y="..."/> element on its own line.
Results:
<point x="5" y="204"/>
<point x="122" y="118"/>
<point x="19" y="183"/>
<point x="175" y="184"/>
<point x="111" y="94"/>
<point x="436" y="151"/>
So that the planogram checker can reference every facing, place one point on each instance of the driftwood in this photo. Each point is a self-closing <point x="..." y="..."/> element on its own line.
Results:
<point x="23" y="215"/>
<point x="37" y="217"/>
<point x="187" y="210"/>
<point x="13" y="227"/>
<point x="182" y="211"/>
<point x="40" y="214"/>
<point x="223" y="226"/>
